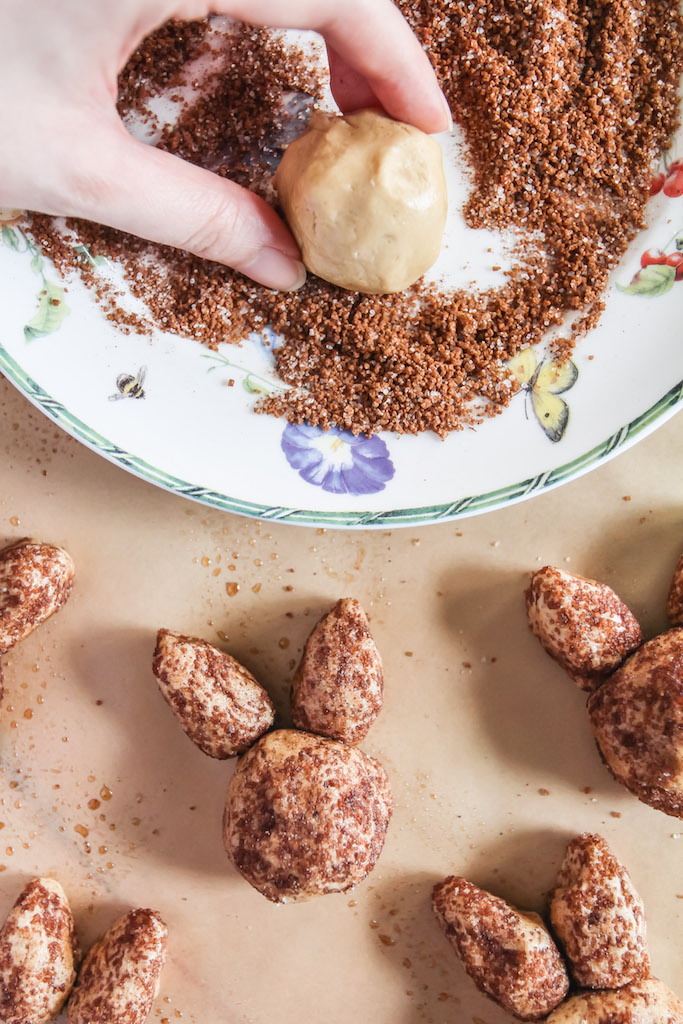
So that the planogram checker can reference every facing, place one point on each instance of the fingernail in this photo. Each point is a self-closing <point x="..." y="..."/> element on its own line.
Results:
<point x="447" y="111"/>
<point x="274" y="269"/>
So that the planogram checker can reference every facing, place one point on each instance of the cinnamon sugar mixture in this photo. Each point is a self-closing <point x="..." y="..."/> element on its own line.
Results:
<point x="564" y="104"/>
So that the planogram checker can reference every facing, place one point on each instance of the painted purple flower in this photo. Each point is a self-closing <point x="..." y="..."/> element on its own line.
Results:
<point x="336" y="460"/>
<point x="269" y="341"/>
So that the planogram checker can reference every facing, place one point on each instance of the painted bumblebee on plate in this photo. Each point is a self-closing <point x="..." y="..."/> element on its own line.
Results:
<point x="130" y="385"/>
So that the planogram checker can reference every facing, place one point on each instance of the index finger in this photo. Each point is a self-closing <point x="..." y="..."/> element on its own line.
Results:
<point x="374" y="42"/>
<point x="373" y="38"/>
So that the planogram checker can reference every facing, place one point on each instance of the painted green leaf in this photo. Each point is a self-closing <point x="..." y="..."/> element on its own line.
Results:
<point x="87" y="256"/>
<point x="37" y="263"/>
<point x="51" y="311"/>
<point x="651" y="281"/>
<point x="10" y="238"/>
<point x="255" y="386"/>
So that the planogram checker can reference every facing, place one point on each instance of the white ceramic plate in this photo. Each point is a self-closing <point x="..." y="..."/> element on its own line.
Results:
<point x="190" y="433"/>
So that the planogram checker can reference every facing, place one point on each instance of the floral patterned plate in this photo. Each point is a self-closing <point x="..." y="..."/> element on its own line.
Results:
<point x="182" y="418"/>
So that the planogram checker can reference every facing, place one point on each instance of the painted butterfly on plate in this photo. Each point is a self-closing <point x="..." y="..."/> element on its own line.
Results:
<point x="543" y="383"/>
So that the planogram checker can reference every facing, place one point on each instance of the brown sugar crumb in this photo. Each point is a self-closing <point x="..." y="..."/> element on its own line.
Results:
<point x="158" y="63"/>
<point x="564" y="106"/>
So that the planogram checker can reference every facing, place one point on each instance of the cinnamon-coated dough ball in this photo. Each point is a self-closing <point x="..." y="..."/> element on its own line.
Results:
<point x="339" y="684"/>
<point x="37" y="951"/>
<point x="508" y="953"/>
<point x="217" y="701"/>
<point x="365" y="197"/>
<point x="305" y="816"/>
<point x="644" y="1002"/>
<point x="598" y="917"/>
<point x="637" y="719"/>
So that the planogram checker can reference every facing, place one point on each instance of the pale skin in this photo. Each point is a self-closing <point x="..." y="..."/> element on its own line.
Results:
<point x="64" y="150"/>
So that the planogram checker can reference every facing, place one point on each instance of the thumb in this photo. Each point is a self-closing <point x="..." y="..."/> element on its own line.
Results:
<point x="142" y="190"/>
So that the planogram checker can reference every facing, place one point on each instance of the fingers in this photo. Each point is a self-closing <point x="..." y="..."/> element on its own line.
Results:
<point x="371" y="38"/>
<point x="350" y="89"/>
<point x="376" y="42"/>
<point x="146" y="192"/>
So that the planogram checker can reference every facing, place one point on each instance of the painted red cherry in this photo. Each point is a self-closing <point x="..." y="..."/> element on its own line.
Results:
<point x="657" y="182"/>
<point x="675" y="259"/>
<point x="673" y="186"/>
<point x="653" y="257"/>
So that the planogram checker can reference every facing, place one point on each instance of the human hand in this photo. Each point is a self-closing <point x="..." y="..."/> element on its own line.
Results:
<point x="64" y="149"/>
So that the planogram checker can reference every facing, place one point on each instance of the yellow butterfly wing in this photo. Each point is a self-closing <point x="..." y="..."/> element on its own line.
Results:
<point x="551" y="412"/>
<point x="556" y="377"/>
<point x="544" y="383"/>
<point x="523" y="366"/>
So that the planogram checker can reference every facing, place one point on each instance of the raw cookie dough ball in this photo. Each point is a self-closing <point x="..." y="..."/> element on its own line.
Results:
<point x="305" y="816"/>
<point x="365" y="198"/>
<point x="637" y="719"/>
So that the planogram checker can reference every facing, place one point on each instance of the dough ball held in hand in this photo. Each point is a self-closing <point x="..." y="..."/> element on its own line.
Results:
<point x="365" y="198"/>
